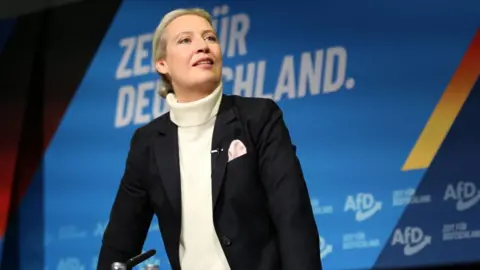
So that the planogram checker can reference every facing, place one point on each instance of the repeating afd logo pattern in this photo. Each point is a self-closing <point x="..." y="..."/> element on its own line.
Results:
<point x="465" y="194"/>
<point x="364" y="206"/>
<point x="412" y="238"/>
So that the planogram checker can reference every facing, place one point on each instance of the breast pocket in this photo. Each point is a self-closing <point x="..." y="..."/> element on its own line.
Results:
<point x="239" y="156"/>
<point x="242" y="185"/>
<point x="243" y="168"/>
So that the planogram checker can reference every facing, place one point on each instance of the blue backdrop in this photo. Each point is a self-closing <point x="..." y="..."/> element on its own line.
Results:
<point x="357" y="81"/>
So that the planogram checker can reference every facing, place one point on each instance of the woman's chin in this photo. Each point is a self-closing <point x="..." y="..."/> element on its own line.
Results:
<point x="206" y="80"/>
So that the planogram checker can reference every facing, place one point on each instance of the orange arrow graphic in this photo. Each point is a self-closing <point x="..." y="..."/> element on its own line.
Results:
<point x="447" y="109"/>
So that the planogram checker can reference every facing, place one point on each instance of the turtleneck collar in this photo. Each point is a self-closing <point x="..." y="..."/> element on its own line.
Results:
<point x="195" y="113"/>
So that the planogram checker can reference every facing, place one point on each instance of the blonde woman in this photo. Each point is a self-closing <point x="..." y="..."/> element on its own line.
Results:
<point x="220" y="172"/>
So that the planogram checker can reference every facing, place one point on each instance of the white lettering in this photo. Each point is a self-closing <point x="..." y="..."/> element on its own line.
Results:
<point x="286" y="80"/>
<point x="223" y="30"/>
<point x="310" y="74"/>
<point x="312" y="70"/>
<point x="227" y="74"/>
<point x="139" y="67"/>
<point x="260" y="80"/>
<point x="136" y="59"/>
<point x="244" y="83"/>
<point x="232" y="31"/>
<point x="336" y="56"/>
<point x="125" y="104"/>
<point x="238" y="33"/>
<point x="143" y="102"/>
<point x="122" y="70"/>
<point x="139" y="105"/>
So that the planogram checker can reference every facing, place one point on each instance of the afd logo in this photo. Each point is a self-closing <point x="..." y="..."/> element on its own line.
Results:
<point x="412" y="238"/>
<point x="363" y="204"/>
<point x="325" y="248"/>
<point x="465" y="193"/>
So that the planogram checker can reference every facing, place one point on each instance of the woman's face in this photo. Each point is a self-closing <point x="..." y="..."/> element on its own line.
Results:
<point x="193" y="58"/>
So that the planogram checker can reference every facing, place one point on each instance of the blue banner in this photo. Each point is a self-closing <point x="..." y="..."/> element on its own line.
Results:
<point x="359" y="84"/>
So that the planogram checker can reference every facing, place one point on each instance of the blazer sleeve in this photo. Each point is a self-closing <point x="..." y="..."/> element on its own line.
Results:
<point x="131" y="214"/>
<point x="288" y="197"/>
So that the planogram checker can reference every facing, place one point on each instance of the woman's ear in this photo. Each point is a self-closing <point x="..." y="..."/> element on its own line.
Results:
<point x="161" y="67"/>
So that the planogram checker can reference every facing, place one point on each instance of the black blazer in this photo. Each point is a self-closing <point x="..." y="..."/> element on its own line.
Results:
<point x="262" y="211"/>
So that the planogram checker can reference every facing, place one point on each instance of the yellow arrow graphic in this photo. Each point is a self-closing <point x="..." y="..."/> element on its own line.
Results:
<point x="447" y="109"/>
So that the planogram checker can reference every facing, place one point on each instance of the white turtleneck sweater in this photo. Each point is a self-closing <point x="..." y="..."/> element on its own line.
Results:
<point x="200" y="248"/>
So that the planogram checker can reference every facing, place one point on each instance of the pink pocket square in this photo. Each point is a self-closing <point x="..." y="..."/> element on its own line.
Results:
<point x="236" y="149"/>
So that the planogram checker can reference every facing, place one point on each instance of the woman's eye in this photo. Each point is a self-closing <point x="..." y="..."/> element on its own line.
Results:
<point x="184" y="40"/>
<point x="212" y="38"/>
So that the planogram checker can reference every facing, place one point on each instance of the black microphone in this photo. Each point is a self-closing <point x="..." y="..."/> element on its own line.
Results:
<point x="140" y="258"/>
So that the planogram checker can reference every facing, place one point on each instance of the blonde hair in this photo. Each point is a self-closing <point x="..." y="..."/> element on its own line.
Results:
<point x="159" y="44"/>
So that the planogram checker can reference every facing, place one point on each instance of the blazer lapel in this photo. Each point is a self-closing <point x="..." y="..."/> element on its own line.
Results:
<point x="223" y="134"/>
<point x="167" y="156"/>
<point x="167" y="159"/>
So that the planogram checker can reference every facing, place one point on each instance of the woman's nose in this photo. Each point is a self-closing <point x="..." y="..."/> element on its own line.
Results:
<point x="201" y="46"/>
